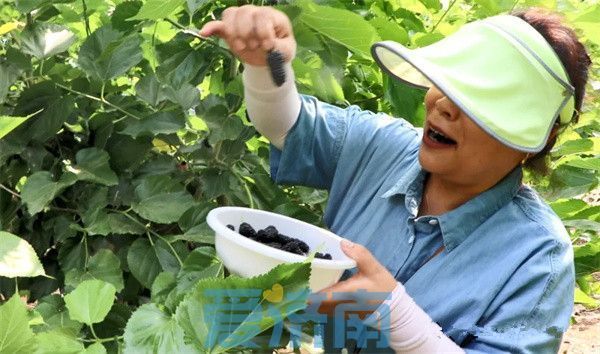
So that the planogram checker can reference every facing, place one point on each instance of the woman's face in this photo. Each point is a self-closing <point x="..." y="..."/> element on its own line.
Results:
<point x="457" y="149"/>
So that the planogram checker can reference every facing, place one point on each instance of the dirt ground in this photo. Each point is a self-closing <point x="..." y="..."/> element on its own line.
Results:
<point x="583" y="337"/>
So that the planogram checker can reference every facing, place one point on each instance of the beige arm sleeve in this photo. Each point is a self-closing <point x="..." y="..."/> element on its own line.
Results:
<point x="411" y="330"/>
<point x="273" y="110"/>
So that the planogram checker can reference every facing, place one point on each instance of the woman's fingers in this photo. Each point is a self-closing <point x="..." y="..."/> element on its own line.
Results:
<point x="365" y="261"/>
<point x="251" y="31"/>
<point x="264" y="31"/>
<point x="214" y="28"/>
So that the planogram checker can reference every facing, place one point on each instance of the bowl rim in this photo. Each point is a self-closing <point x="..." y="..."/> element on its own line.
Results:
<point x="223" y="230"/>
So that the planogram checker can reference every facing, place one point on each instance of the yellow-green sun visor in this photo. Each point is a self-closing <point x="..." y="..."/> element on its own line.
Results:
<point x="500" y="71"/>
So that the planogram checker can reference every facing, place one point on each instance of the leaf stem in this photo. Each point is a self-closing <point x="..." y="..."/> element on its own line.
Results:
<point x="443" y="15"/>
<point x="149" y="238"/>
<point x="98" y="99"/>
<point x="150" y="231"/>
<point x="94" y="332"/>
<point x="15" y="194"/>
<point x="101" y="340"/>
<point x="172" y="249"/>
<point x="87" y="254"/>
<point x="85" y="19"/>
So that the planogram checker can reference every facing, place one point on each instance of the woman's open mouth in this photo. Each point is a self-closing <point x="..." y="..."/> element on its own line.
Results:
<point x="435" y="138"/>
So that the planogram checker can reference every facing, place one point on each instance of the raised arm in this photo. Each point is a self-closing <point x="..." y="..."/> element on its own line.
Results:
<point x="251" y="32"/>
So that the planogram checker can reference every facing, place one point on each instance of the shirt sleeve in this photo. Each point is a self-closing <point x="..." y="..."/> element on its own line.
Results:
<point x="313" y="145"/>
<point x="328" y="141"/>
<point x="543" y="291"/>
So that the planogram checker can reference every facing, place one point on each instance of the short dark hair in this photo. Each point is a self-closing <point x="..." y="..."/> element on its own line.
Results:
<point x="574" y="58"/>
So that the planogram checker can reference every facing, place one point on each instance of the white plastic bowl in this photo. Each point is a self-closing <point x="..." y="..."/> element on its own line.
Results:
<point x="248" y="258"/>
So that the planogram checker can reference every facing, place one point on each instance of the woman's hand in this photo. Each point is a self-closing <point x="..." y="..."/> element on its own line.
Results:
<point x="371" y="276"/>
<point x="252" y="31"/>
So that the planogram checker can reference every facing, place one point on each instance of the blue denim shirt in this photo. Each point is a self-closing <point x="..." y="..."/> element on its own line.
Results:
<point x="505" y="281"/>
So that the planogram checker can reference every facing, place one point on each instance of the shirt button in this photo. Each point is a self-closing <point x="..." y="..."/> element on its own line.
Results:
<point x="433" y="222"/>
<point x="411" y="239"/>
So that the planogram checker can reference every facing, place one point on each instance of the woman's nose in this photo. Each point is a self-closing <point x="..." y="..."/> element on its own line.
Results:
<point x="447" y="108"/>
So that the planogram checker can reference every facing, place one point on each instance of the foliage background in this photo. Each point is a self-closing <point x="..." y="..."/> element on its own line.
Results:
<point x="118" y="134"/>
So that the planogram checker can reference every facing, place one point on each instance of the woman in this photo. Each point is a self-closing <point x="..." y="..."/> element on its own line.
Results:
<point x="439" y="217"/>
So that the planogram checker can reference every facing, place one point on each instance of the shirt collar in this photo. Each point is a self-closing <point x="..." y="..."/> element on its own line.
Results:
<point x="456" y="225"/>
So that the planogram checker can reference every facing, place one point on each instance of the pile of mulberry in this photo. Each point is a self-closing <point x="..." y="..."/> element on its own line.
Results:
<point x="270" y="236"/>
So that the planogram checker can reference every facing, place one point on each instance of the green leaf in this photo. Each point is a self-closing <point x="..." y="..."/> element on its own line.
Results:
<point x="45" y="125"/>
<point x="186" y="96"/>
<point x="150" y="330"/>
<point x="587" y="258"/>
<point x="194" y="5"/>
<point x="104" y="265"/>
<point x="162" y="286"/>
<point x="18" y="258"/>
<point x="95" y="348"/>
<point x="58" y="342"/>
<point x="578" y="146"/>
<point x="566" y="208"/>
<point x="222" y="126"/>
<point x="202" y="263"/>
<point x="43" y="40"/>
<point x="164" y="208"/>
<point x="567" y="181"/>
<point x="92" y="165"/>
<point x="342" y="26"/>
<point x="583" y="224"/>
<point x="124" y="11"/>
<point x="587" y="22"/>
<point x="590" y="163"/>
<point x="157" y="123"/>
<point x="56" y="316"/>
<point x="149" y="90"/>
<point x="8" y="75"/>
<point x="90" y="302"/>
<point x="143" y="262"/>
<point x="406" y="102"/>
<point x="8" y="124"/>
<point x="201" y="233"/>
<point x="15" y="335"/>
<point x="192" y="316"/>
<point x="126" y="153"/>
<point x="179" y="63"/>
<point x="215" y="182"/>
<point x="585" y="299"/>
<point x="113" y="223"/>
<point x="157" y="9"/>
<point x="108" y="53"/>
<point x="170" y="254"/>
<point x="389" y="30"/>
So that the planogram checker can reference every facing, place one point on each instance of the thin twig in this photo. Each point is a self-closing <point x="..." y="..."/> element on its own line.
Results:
<point x="15" y="194"/>
<point x="443" y="15"/>
<point x="98" y="99"/>
<point x="85" y="19"/>
<point x="150" y="231"/>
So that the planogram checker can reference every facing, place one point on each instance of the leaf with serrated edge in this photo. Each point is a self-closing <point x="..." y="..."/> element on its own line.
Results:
<point x="104" y="265"/>
<point x="150" y="330"/>
<point x="164" y="208"/>
<point x="91" y="301"/>
<point x="58" y="342"/>
<point x="15" y="335"/>
<point x="44" y="40"/>
<point x="157" y="9"/>
<point x="92" y="165"/>
<point x="196" y="322"/>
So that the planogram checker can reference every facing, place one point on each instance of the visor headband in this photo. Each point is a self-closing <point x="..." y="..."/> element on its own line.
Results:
<point x="569" y="93"/>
